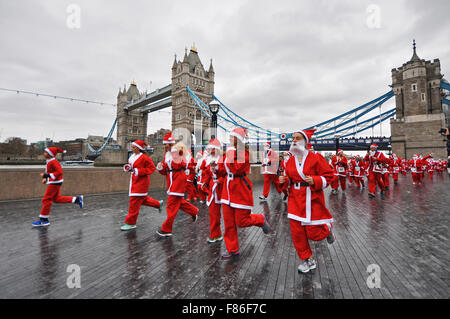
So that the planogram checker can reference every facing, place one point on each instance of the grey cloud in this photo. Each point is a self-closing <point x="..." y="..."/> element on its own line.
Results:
<point x="279" y="64"/>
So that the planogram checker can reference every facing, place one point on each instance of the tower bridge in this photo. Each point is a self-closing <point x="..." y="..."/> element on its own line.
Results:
<point x="418" y="88"/>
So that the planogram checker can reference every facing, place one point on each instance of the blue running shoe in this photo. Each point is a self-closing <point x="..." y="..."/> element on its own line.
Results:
<point x="80" y="201"/>
<point x="41" y="223"/>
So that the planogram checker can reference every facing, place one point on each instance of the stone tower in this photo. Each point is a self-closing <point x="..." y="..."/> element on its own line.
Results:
<point x="190" y="72"/>
<point x="131" y="125"/>
<point x="419" y="113"/>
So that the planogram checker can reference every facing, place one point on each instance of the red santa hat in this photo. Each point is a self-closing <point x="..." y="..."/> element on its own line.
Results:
<point x="310" y="147"/>
<point x="240" y="133"/>
<point x="307" y="134"/>
<point x="214" y="143"/>
<point x="168" y="139"/>
<point x="340" y="151"/>
<point x="374" y="145"/>
<point x="268" y="143"/>
<point x="140" y="144"/>
<point x="53" y="151"/>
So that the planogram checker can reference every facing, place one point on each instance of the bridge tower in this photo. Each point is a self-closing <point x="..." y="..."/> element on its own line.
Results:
<point x="419" y="112"/>
<point x="131" y="125"/>
<point x="190" y="72"/>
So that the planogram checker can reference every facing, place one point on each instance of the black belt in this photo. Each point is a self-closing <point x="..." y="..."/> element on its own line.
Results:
<point x="304" y="184"/>
<point x="241" y="177"/>
<point x="176" y="170"/>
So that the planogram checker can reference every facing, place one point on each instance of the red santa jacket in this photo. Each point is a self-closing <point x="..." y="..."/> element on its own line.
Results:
<point x="307" y="203"/>
<point x="54" y="171"/>
<point x="201" y="165"/>
<point x="375" y="162"/>
<point x="238" y="189"/>
<point x="270" y="162"/>
<point x="388" y="165"/>
<point x="416" y="165"/>
<point x="340" y="165"/>
<point x="359" y="166"/>
<point x="174" y="168"/>
<point x="142" y="167"/>
<point x="190" y="165"/>
<point x="214" y="179"/>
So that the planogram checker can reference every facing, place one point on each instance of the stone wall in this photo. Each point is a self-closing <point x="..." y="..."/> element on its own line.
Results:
<point x="25" y="183"/>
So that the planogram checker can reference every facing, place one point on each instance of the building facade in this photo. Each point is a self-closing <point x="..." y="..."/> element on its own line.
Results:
<point x="185" y="114"/>
<point x="419" y="111"/>
<point x="131" y="125"/>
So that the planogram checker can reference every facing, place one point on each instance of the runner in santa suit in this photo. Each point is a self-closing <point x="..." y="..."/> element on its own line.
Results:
<point x="269" y="170"/>
<point x="340" y="165"/>
<point x="199" y="170"/>
<point x="53" y="177"/>
<point x="281" y="172"/>
<point x="141" y="167"/>
<point x="213" y="183"/>
<point x="237" y="193"/>
<point x="387" y="168"/>
<point x="350" y="170"/>
<point x="190" y="187"/>
<point x="416" y="168"/>
<point x="396" y="166"/>
<point x="174" y="168"/>
<point x="374" y="160"/>
<point x="359" y="167"/>
<point x="405" y="167"/>
<point x="307" y="174"/>
<point x="430" y="163"/>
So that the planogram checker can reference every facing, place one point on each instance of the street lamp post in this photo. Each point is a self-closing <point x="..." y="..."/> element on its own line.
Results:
<point x="214" y="108"/>
<point x="336" y="138"/>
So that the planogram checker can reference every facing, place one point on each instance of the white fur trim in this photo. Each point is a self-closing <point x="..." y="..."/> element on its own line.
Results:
<point x="238" y="136"/>
<point x="324" y="182"/>
<point x="138" y="146"/>
<point x="49" y="152"/>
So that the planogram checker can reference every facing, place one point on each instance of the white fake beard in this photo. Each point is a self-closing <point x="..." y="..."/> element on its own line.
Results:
<point x="372" y="153"/>
<point x="298" y="149"/>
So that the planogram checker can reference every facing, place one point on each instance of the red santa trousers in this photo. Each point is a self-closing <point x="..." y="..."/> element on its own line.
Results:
<point x="359" y="181"/>
<point x="395" y="177"/>
<point x="191" y="190"/>
<point x="174" y="203"/>
<point x="339" y="180"/>
<point x="201" y="194"/>
<point x="268" y="180"/>
<point x="236" y="217"/>
<point x="52" y="196"/>
<point x="214" y="220"/>
<point x="416" y="177"/>
<point x="386" y="179"/>
<point x="135" y="204"/>
<point x="430" y="174"/>
<point x="374" y="179"/>
<point x="301" y="234"/>
<point x="350" y="178"/>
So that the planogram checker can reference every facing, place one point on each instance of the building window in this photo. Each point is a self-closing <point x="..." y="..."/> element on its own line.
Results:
<point x="414" y="87"/>
<point x="423" y="97"/>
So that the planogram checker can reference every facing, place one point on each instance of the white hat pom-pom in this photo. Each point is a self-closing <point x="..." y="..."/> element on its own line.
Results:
<point x="64" y="151"/>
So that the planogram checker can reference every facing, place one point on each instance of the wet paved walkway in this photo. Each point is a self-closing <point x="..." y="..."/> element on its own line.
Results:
<point x="405" y="234"/>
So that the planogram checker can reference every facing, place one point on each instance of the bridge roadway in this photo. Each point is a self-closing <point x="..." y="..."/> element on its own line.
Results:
<point x="405" y="233"/>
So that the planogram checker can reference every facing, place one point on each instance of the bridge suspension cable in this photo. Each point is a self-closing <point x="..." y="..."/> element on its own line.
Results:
<point x="57" y="97"/>
<point x="337" y="124"/>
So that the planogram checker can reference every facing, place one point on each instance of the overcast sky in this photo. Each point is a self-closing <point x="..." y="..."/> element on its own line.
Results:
<point x="280" y="64"/>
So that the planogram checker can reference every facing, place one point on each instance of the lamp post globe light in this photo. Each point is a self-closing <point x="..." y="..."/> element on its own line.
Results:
<point x="214" y="107"/>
